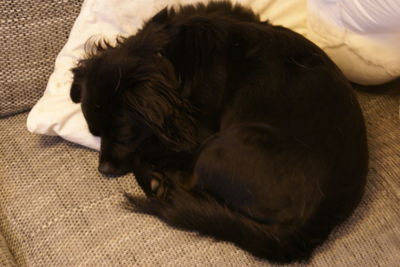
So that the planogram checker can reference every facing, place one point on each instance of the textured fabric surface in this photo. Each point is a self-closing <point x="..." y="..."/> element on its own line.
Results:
<point x="6" y="258"/>
<point x="31" y="34"/>
<point x="56" y="210"/>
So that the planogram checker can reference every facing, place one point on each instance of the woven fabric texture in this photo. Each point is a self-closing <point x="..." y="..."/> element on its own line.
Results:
<point x="31" y="34"/>
<point x="6" y="258"/>
<point x="56" y="210"/>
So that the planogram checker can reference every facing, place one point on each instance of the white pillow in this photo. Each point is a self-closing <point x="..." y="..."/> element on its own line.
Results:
<point x="361" y="36"/>
<point x="56" y="114"/>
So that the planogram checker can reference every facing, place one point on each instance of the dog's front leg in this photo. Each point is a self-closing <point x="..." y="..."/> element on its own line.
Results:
<point x="158" y="177"/>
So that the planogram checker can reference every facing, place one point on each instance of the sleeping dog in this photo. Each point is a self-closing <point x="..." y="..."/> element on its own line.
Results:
<point x="233" y="127"/>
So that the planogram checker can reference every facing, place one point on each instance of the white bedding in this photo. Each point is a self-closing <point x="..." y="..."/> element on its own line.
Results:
<point x="361" y="36"/>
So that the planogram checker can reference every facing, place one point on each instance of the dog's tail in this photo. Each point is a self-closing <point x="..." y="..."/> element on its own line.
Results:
<point x="200" y="212"/>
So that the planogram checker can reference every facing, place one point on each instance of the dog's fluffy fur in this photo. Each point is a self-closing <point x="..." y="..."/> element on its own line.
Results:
<point x="233" y="127"/>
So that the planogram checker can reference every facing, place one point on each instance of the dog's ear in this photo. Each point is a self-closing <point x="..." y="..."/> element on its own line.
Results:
<point x="76" y="86"/>
<point x="158" y="103"/>
<point x="162" y="16"/>
<point x="93" y="50"/>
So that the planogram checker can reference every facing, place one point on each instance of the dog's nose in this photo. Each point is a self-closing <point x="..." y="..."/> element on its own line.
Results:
<point x="108" y="168"/>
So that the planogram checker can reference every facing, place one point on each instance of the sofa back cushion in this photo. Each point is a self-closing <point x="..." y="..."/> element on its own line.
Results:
<point x="31" y="34"/>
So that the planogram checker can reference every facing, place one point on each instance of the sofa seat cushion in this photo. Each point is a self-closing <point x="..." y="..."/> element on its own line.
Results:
<point x="56" y="210"/>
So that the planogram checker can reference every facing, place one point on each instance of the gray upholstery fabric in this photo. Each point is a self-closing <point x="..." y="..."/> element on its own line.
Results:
<point x="31" y="35"/>
<point x="56" y="210"/>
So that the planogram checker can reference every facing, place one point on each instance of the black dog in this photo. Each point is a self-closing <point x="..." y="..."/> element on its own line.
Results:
<point x="233" y="127"/>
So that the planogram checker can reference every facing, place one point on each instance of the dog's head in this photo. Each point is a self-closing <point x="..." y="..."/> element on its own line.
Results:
<point x="128" y="93"/>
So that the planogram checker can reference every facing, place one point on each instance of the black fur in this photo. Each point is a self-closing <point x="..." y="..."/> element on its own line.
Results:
<point x="233" y="127"/>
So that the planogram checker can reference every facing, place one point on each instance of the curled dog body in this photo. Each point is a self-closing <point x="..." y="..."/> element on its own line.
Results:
<point x="233" y="127"/>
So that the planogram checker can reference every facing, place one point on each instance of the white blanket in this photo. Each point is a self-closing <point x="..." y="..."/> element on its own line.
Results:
<point x="56" y="114"/>
<point x="361" y="36"/>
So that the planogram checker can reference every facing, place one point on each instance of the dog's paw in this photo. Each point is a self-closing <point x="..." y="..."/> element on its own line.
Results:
<point x="158" y="185"/>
